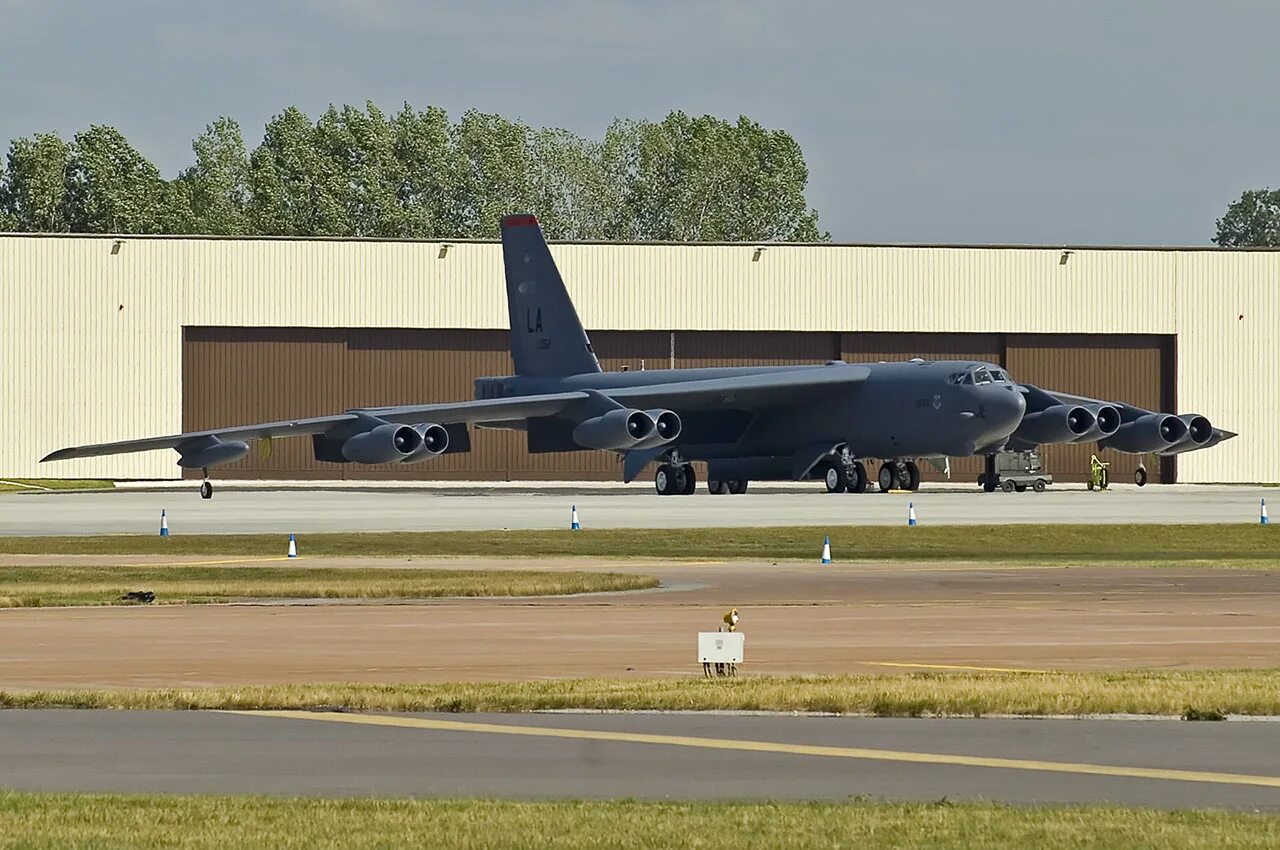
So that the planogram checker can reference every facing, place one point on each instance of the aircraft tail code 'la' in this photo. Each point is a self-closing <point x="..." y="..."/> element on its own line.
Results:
<point x="547" y="339"/>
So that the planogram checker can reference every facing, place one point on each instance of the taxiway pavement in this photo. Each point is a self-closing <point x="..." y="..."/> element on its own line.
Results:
<point x="284" y="511"/>
<point x="798" y="618"/>
<point x="1169" y="764"/>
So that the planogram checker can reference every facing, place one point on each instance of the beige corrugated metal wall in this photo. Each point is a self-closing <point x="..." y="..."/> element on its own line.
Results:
<point x="91" y="339"/>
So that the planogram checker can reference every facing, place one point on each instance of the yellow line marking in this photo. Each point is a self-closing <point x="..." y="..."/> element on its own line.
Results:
<point x="955" y="667"/>
<point x="211" y="563"/>
<point x="1169" y="774"/>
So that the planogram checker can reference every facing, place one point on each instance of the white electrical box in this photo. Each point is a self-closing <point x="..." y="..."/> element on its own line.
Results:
<point x="720" y="647"/>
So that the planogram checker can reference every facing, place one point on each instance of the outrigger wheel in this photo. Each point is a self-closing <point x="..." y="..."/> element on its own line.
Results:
<point x="206" y="489"/>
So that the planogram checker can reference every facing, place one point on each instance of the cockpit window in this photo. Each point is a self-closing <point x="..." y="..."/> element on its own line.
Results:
<point x="997" y="376"/>
<point x="982" y="376"/>
<point x="956" y="378"/>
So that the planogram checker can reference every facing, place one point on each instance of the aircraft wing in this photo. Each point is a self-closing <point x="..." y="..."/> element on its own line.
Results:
<point x="487" y="410"/>
<point x="761" y="390"/>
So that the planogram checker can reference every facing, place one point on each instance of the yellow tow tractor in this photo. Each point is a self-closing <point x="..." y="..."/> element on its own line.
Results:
<point x="1099" y="478"/>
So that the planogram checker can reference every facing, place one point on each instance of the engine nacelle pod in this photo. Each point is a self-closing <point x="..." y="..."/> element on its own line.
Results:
<point x="617" y="429"/>
<point x="388" y="443"/>
<point x="1106" y="421"/>
<point x="1200" y="434"/>
<point x="435" y="440"/>
<point x="210" y="451"/>
<point x="1061" y="423"/>
<point x="666" y="427"/>
<point x="1154" y="432"/>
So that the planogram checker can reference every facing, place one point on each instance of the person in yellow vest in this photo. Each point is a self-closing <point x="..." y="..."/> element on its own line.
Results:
<point x="731" y="620"/>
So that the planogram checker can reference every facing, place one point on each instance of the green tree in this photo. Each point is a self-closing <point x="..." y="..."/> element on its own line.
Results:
<point x="212" y="196"/>
<point x="495" y="176"/>
<point x="1252" y="220"/>
<point x="706" y="179"/>
<point x="111" y="188"/>
<point x="430" y="170"/>
<point x="295" y="187"/>
<point x="568" y="186"/>
<point x="361" y="145"/>
<point x="33" y="193"/>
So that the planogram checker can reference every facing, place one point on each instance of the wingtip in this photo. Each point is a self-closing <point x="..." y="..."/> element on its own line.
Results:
<point x="58" y="455"/>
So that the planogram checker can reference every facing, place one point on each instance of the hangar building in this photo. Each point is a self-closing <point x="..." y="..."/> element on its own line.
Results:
<point x="109" y="338"/>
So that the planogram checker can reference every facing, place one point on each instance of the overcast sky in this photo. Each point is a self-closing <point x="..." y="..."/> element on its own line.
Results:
<point x="1118" y="122"/>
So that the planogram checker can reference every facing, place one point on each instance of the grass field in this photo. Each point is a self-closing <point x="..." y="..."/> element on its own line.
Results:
<point x="1199" y="694"/>
<point x="26" y="587"/>
<point x="16" y="485"/>
<point x="195" y="822"/>
<point x="1222" y="545"/>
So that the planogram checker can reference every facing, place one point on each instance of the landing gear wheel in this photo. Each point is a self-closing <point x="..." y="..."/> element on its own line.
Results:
<point x="1038" y="486"/>
<point x="690" y="479"/>
<point x="737" y="488"/>
<point x="1008" y="486"/>
<point x="858" y="480"/>
<point x="206" y="490"/>
<point x="1140" y="476"/>
<point x="833" y="475"/>
<point x="888" y="477"/>
<point x="910" y="475"/>
<point x="664" y="480"/>
<point x="717" y="488"/>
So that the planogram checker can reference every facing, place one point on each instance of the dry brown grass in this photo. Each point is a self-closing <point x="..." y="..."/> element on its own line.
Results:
<point x="1197" y="694"/>
<point x="137" y="822"/>
<point x="79" y="585"/>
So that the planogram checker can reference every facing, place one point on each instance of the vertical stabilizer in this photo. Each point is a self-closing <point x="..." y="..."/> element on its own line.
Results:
<point x="547" y="340"/>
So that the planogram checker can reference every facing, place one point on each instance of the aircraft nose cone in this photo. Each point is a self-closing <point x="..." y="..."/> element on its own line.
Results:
<point x="1004" y="406"/>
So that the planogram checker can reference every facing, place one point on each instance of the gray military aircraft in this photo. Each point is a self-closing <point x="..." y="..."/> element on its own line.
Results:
<point x="761" y="423"/>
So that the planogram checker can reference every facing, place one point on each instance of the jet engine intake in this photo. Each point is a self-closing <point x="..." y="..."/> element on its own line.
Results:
<point x="1106" y="420"/>
<point x="1200" y="432"/>
<point x="387" y="443"/>
<point x="617" y="429"/>
<point x="666" y="427"/>
<point x="435" y="439"/>
<point x="1061" y="423"/>
<point x="1154" y="432"/>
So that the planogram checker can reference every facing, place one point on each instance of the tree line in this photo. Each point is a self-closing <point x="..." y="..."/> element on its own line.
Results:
<point x="415" y="174"/>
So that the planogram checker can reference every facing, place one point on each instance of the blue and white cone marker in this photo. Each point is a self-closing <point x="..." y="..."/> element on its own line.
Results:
<point x="293" y="546"/>
<point x="574" y="525"/>
<point x="164" y="523"/>
<point x="911" y="514"/>
<point x="1263" y="518"/>
<point x="826" y="548"/>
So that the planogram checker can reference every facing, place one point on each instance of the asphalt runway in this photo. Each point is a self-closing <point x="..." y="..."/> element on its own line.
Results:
<point x="798" y="618"/>
<point x="285" y="511"/>
<point x="1169" y="764"/>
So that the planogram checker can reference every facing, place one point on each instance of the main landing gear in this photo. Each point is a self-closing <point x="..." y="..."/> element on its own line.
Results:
<point x="675" y="479"/>
<point x="843" y="475"/>
<point x="898" y="476"/>
<point x="206" y="488"/>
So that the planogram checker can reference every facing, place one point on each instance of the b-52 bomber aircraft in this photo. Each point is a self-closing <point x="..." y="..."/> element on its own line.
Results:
<point x="748" y="423"/>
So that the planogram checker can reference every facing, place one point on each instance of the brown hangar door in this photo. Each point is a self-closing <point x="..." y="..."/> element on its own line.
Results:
<point x="237" y="375"/>
<point x="1132" y="368"/>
